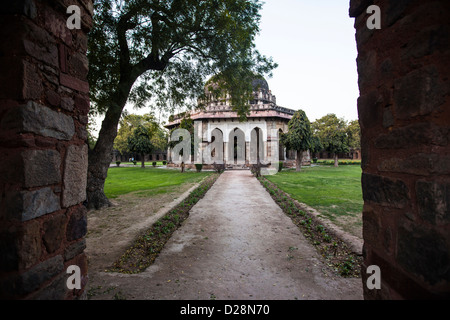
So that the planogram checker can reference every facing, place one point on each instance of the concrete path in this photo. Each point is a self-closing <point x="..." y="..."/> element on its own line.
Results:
<point x="236" y="244"/>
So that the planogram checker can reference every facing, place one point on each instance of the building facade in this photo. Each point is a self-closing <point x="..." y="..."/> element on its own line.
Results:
<point x="222" y="138"/>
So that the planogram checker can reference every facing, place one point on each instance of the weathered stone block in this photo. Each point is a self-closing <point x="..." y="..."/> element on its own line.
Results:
<point x="40" y="45"/>
<point x="75" y="175"/>
<point x="370" y="109"/>
<point x="41" y="120"/>
<point x="82" y="104"/>
<point x="41" y="167"/>
<point x="27" y="205"/>
<point x="20" y="247"/>
<point x="67" y="104"/>
<point x="77" y="225"/>
<point x="32" y="279"/>
<point x="54" y="232"/>
<point x="413" y="135"/>
<point x="433" y="199"/>
<point x="418" y="93"/>
<point x="74" y="83"/>
<point x="384" y="191"/>
<point x="25" y="7"/>
<point x="75" y="249"/>
<point x="78" y="66"/>
<point x="56" y="290"/>
<point x="418" y="164"/>
<point x="424" y="253"/>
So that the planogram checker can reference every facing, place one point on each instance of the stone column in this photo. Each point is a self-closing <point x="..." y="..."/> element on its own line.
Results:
<point x="44" y="102"/>
<point x="404" y="113"/>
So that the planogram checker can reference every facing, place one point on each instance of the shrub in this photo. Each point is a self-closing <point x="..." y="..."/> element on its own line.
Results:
<point x="219" y="168"/>
<point x="118" y="163"/>
<point x="154" y="163"/>
<point x="314" y="160"/>
<point x="199" y="167"/>
<point x="164" y="162"/>
<point x="134" y="162"/>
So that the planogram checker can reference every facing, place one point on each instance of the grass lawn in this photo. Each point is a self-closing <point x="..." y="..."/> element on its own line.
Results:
<point x="148" y="181"/>
<point x="335" y="192"/>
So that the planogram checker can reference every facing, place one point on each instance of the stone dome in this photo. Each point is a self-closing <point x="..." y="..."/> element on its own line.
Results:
<point x="259" y="83"/>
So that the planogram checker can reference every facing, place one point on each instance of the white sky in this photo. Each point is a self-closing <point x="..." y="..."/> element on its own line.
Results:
<point x="313" y="42"/>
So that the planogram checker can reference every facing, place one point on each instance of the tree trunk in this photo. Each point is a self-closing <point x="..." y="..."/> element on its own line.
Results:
<point x="299" y="160"/>
<point x="336" y="162"/>
<point x="142" y="160"/>
<point x="101" y="156"/>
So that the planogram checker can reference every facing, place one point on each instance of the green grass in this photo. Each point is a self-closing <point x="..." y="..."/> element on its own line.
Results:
<point x="332" y="191"/>
<point x="148" y="181"/>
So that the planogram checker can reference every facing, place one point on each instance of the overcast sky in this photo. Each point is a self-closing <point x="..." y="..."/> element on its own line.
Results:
<point x="313" y="42"/>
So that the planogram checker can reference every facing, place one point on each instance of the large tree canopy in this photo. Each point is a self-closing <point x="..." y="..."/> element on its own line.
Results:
<point x="160" y="52"/>
<point x="332" y="132"/>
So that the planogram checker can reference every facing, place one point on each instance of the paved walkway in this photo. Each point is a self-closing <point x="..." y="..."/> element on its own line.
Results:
<point x="236" y="244"/>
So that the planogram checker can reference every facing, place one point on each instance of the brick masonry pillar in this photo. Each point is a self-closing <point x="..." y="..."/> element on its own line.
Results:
<point x="44" y="101"/>
<point x="404" y="113"/>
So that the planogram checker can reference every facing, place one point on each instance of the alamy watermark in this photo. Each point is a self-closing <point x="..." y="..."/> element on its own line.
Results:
<point x="374" y="21"/>
<point x="374" y="280"/>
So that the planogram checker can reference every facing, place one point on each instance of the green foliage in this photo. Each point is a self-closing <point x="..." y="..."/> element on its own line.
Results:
<point x="147" y="182"/>
<point x="299" y="135"/>
<point x="199" y="167"/>
<point x="161" y="51"/>
<point x="332" y="132"/>
<point x="127" y="125"/>
<point x="140" y="142"/>
<point x="354" y="134"/>
<point x="334" y="192"/>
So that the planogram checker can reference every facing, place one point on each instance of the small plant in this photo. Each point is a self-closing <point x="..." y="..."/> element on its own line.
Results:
<point x="199" y="167"/>
<point x="118" y="163"/>
<point x="154" y="163"/>
<point x="134" y="162"/>
<point x="346" y="267"/>
<point x="164" y="162"/>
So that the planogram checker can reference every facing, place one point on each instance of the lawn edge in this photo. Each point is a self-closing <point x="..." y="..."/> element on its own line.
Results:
<point x="165" y="212"/>
<point x="353" y="243"/>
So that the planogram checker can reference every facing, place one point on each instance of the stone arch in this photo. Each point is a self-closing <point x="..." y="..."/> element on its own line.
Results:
<point x="257" y="146"/>
<point x="236" y="147"/>
<point x="215" y="148"/>
<point x="281" y="147"/>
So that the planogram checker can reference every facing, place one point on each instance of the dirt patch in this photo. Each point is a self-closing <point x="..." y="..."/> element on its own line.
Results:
<point x="111" y="230"/>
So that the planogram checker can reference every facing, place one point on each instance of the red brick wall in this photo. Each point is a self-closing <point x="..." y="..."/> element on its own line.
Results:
<point x="404" y="113"/>
<point x="43" y="154"/>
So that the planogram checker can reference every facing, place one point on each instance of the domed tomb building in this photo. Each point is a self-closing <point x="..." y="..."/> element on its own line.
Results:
<point x="239" y="144"/>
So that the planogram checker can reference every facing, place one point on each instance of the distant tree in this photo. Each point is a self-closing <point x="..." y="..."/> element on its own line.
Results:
<point x="316" y="144"/>
<point x="332" y="132"/>
<point x="140" y="142"/>
<point x="299" y="136"/>
<point x="354" y="135"/>
<point x="129" y="122"/>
